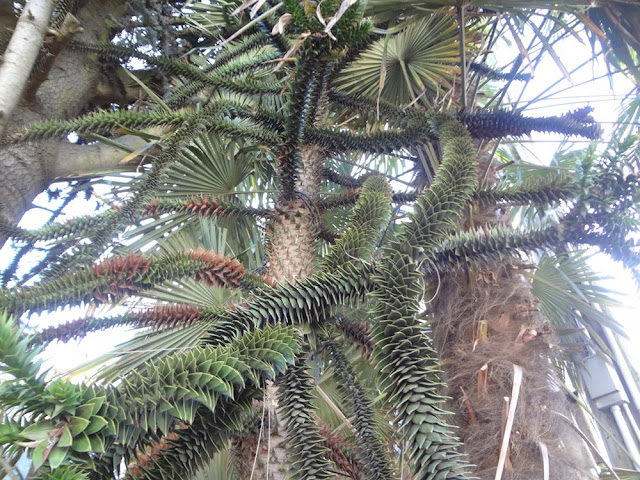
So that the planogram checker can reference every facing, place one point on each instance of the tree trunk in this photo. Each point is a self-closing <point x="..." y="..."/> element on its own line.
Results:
<point x="292" y="256"/>
<point x="487" y="321"/>
<point x="28" y="169"/>
<point x="21" y="54"/>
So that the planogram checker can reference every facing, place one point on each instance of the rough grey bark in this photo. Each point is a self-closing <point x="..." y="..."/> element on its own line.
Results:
<point x="21" y="54"/>
<point x="28" y="169"/>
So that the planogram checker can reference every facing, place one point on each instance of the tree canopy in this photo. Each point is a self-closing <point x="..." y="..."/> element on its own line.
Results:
<point x="292" y="197"/>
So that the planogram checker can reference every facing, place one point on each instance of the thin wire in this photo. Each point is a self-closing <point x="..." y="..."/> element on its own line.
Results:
<point x="255" y="458"/>
<point x="268" y="437"/>
<point x="586" y="100"/>
<point x="544" y="97"/>
<point x="152" y="350"/>
<point x="554" y="141"/>
<point x="435" y="267"/>
<point x="573" y="97"/>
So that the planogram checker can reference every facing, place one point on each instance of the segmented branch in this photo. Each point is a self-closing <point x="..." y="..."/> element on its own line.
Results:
<point x="371" y="453"/>
<point x="370" y="214"/>
<point x="114" y="421"/>
<point x="305" y="446"/>
<point x="166" y="316"/>
<point x="402" y="354"/>
<point x="541" y="193"/>
<point x="117" y="277"/>
<point x="438" y="209"/>
<point x="72" y="229"/>
<point x="481" y="123"/>
<point x="203" y="206"/>
<point x="358" y="334"/>
<point x="175" y="67"/>
<point x="301" y="102"/>
<point x="484" y="246"/>
<point x="308" y="301"/>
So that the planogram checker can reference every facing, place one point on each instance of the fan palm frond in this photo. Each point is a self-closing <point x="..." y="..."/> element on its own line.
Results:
<point x="417" y="61"/>
<point x="572" y="298"/>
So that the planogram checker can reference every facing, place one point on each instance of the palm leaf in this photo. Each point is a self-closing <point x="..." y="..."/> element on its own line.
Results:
<point x="419" y="59"/>
<point x="570" y="296"/>
<point x="147" y="345"/>
<point x="211" y="166"/>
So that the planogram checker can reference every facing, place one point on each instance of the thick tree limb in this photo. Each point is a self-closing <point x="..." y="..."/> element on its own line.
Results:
<point x="25" y="178"/>
<point x="21" y="54"/>
<point x="71" y="83"/>
<point x="90" y="160"/>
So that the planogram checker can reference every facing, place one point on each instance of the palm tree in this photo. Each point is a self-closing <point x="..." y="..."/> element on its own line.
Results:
<point x="205" y="354"/>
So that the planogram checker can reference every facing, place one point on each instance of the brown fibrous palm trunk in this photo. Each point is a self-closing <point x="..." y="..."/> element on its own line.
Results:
<point x="487" y="321"/>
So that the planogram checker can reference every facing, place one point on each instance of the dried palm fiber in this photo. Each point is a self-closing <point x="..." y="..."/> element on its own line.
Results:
<point x="516" y="333"/>
<point x="486" y="320"/>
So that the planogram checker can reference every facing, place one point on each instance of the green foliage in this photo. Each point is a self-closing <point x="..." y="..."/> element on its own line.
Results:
<point x="302" y="101"/>
<point x="502" y="123"/>
<point x="425" y="48"/>
<point x="194" y="445"/>
<point x="492" y="74"/>
<point x="64" y="473"/>
<point x="481" y="247"/>
<point x="410" y="373"/>
<point x="101" y="123"/>
<point x="169" y="316"/>
<point x="439" y="208"/>
<point x="73" y="421"/>
<point x="407" y="364"/>
<point x="16" y="358"/>
<point x="306" y="302"/>
<point x="370" y="214"/>
<point x="386" y="141"/>
<point x="174" y="67"/>
<point x="569" y="292"/>
<point x="76" y="228"/>
<point x="537" y="192"/>
<point x="480" y="123"/>
<point x="370" y="452"/>
<point x="206" y="207"/>
<point x="605" y="213"/>
<point x="305" y="444"/>
<point x="112" y="279"/>
<point x="322" y="81"/>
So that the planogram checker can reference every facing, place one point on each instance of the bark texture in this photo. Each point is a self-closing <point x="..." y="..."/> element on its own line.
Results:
<point x="292" y="256"/>
<point x="486" y="321"/>
<point x="295" y="230"/>
<point x="71" y="83"/>
<point x="21" y="54"/>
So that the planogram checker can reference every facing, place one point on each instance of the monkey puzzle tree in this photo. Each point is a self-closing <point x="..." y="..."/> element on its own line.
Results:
<point x="269" y="110"/>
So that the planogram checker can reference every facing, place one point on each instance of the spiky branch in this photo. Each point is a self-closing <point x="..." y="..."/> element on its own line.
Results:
<point x="117" y="277"/>
<point x="73" y="420"/>
<point x="402" y="355"/>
